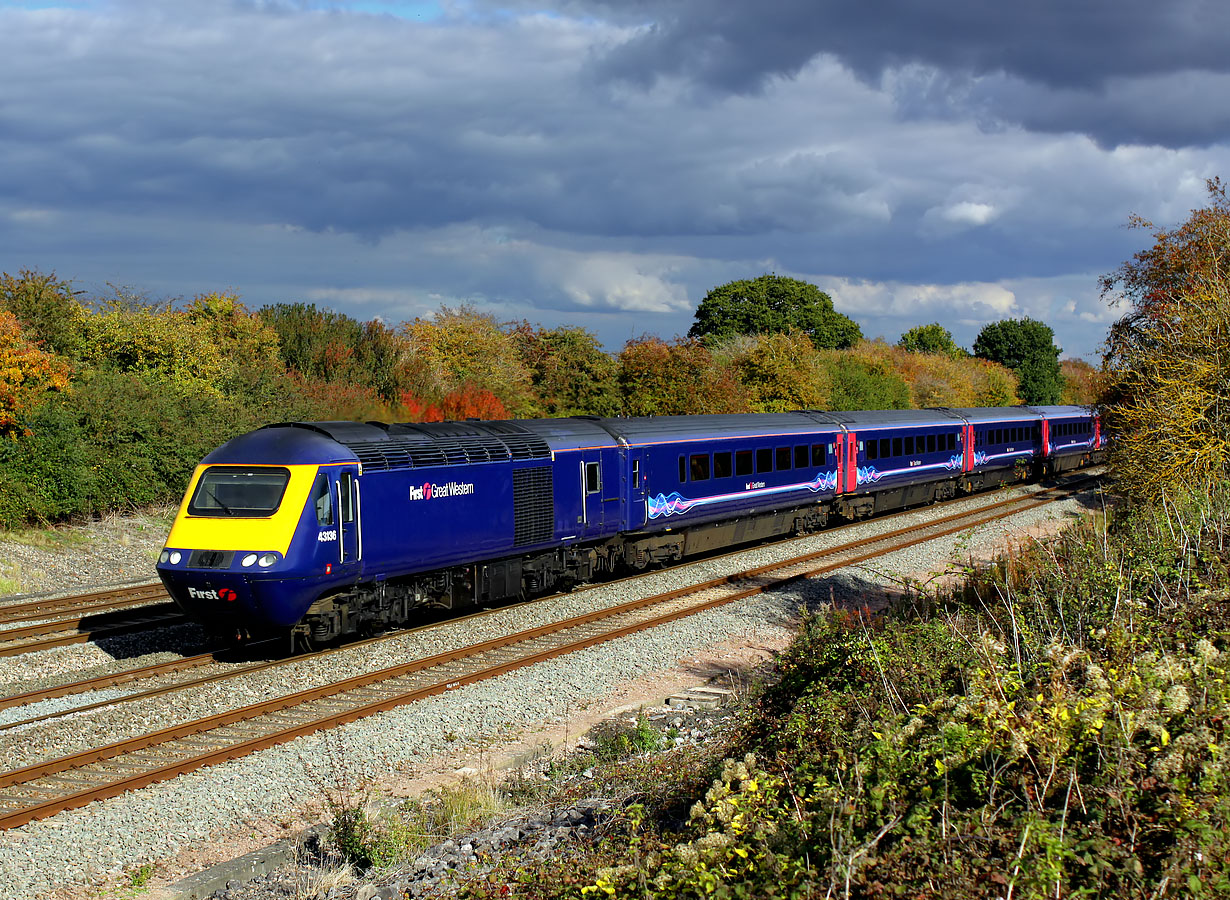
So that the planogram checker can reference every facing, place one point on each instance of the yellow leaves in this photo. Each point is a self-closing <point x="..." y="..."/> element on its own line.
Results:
<point x="26" y="373"/>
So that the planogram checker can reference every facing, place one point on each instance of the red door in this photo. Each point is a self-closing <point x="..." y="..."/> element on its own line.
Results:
<point x="1046" y="437"/>
<point x="851" y="462"/>
<point x="839" y="454"/>
<point x="969" y="449"/>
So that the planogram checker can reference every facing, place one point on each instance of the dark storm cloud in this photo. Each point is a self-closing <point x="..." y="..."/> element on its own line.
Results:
<point x="1119" y="70"/>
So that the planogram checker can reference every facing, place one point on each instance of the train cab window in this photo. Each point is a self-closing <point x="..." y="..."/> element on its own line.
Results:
<point x="699" y="467"/>
<point x="930" y="443"/>
<point x="743" y="462"/>
<point x="873" y="449"/>
<point x="721" y="465"/>
<point x="909" y="445"/>
<point x="818" y="456"/>
<point x="800" y="456"/>
<point x="896" y="446"/>
<point x="593" y="478"/>
<point x="764" y="460"/>
<point x="322" y="500"/>
<point x="886" y="448"/>
<point x="683" y="470"/>
<point x="239" y="491"/>
<point x="345" y="489"/>
<point x="783" y="459"/>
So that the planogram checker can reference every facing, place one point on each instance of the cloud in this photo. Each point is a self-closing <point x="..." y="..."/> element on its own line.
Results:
<point x="600" y="163"/>
<point x="1122" y="71"/>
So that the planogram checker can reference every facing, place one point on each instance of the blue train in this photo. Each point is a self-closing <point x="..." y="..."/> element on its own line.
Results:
<point x="328" y="529"/>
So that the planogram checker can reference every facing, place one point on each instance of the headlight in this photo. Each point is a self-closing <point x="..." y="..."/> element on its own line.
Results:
<point x="248" y="560"/>
<point x="166" y="554"/>
<point x="175" y="557"/>
<point x="268" y="559"/>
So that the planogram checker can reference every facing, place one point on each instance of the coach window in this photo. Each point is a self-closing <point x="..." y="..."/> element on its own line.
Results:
<point x="886" y="448"/>
<point x="800" y="456"/>
<point x="817" y="454"/>
<point x="721" y="465"/>
<point x="952" y="441"/>
<point x="896" y="446"/>
<point x="683" y="470"/>
<point x="345" y="488"/>
<point x="873" y="449"/>
<point x="764" y="460"/>
<point x="322" y="500"/>
<point x="930" y="443"/>
<point x="743" y="462"/>
<point x="700" y="467"/>
<point x="783" y="459"/>
<point x="593" y="482"/>
<point x="909" y="445"/>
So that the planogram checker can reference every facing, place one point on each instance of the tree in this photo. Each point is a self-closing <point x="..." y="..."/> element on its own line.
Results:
<point x="1027" y="347"/>
<point x="463" y="348"/>
<point x="27" y="373"/>
<point x="47" y="310"/>
<point x="933" y="338"/>
<point x="1082" y="382"/>
<point x="570" y="371"/>
<point x="680" y="378"/>
<point x="772" y="304"/>
<point x="1167" y="361"/>
<point x="782" y="372"/>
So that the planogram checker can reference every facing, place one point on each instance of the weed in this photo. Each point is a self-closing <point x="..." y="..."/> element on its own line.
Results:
<point x="140" y="876"/>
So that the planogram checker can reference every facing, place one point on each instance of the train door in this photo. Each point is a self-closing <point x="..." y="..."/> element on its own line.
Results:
<point x="350" y="538"/>
<point x="851" y="462"/>
<point x="969" y="448"/>
<point x="590" y="475"/>
<point x="635" y="489"/>
<point x="1046" y="438"/>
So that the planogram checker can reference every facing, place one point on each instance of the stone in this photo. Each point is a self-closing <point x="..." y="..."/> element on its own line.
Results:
<point x="366" y="892"/>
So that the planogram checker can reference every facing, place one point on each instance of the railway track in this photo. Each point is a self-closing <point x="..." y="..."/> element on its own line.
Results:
<point x="196" y="661"/>
<point x="43" y="789"/>
<point x="59" y="621"/>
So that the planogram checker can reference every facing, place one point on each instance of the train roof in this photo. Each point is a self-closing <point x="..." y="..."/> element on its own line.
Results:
<point x="651" y="429"/>
<point x="280" y="446"/>
<point x="887" y="418"/>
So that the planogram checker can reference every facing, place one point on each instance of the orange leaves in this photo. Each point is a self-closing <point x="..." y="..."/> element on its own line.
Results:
<point x="467" y="402"/>
<point x="26" y="374"/>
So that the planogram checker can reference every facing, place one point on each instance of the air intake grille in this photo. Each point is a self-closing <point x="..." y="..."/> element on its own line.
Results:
<point x="439" y="449"/>
<point x="533" y="505"/>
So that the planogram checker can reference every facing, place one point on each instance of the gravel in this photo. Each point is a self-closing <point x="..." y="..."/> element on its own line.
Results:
<point x="111" y="837"/>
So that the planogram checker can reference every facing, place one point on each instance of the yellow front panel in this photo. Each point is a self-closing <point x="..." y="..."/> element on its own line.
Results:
<point x="241" y="533"/>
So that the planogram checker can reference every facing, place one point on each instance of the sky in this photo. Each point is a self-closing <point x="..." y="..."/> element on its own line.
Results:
<point x="605" y="163"/>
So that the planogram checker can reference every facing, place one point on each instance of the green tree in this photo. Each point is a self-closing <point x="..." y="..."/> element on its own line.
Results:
<point x="933" y="338"/>
<point x="1027" y="347"/>
<point x="570" y="371"/>
<point x="772" y="304"/>
<point x="47" y="310"/>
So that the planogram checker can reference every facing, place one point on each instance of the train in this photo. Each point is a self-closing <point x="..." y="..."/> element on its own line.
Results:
<point x="323" y="530"/>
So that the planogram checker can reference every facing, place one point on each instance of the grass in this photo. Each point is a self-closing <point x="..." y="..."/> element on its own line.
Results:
<point x="371" y="833"/>
<point x="10" y="577"/>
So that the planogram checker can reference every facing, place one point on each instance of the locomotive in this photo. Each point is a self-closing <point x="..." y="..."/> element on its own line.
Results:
<point x="327" y="529"/>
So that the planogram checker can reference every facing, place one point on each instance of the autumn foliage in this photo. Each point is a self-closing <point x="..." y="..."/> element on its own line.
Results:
<point x="27" y="373"/>
<point x="1168" y="360"/>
